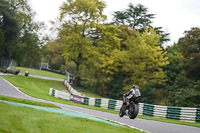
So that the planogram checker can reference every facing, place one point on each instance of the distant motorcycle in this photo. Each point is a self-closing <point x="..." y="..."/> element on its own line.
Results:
<point x="130" y="106"/>
<point x="26" y="73"/>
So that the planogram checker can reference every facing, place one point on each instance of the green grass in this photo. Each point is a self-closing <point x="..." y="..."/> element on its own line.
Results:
<point x="87" y="92"/>
<point x="40" y="72"/>
<point x="39" y="88"/>
<point x="27" y="120"/>
<point x="170" y="121"/>
<point x="35" y="87"/>
<point x="18" y="100"/>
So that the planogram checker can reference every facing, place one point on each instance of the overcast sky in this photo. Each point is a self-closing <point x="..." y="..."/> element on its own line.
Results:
<point x="175" y="16"/>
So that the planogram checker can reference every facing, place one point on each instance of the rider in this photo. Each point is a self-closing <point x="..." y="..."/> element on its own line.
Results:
<point x="134" y="91"/>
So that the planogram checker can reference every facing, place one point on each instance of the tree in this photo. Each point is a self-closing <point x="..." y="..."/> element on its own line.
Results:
<point x="28" y="50"/>
<point x="135" y="16"/>
<point x="19" y="32"/>
<point x="79" y="19"/>
<point x="185" y="92"/>
<point x="144" y="60"/>
<point x="182" y="71"/>
<point x="185" y="88"/>
<point x="54" y="51"/>
<point x="139" y="19"/>
<point x="9" y="29"/>
<point x="174" y="68"/>
<point x="190" y="49"/>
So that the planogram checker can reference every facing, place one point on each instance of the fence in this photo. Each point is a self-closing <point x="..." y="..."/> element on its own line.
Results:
<point x="179" y="113"/>
<point x="44" y="65"/>
<point x="71" y="89"/>
<point x="7" y="62"/>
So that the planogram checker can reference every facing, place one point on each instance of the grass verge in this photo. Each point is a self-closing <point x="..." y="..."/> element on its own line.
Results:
<point x="170" y="121"/>
<point x="39" y="88"/>
<point x="23" y="119"/>
<point x="18" y="100"/>
<point x="40" y="72"/>
<point x="87" y="92"/>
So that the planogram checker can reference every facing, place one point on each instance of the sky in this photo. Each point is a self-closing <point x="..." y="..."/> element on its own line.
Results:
<point x="174" y="16"/>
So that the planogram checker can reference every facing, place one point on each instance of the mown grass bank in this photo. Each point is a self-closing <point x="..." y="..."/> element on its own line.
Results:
<point x="18" y="100"/>
<point x="27" y="120"/>
<point x="39" y="88"/>
<point x="40" y="72"/>
<point x="35" y="87"/>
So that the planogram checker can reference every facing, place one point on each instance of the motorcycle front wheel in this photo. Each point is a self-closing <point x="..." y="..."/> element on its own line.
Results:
<point x="121" y="114"/>
<point x="133" y="112"/>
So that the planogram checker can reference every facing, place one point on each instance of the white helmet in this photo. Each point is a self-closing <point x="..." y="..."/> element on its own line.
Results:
<point x="136" y="86"/>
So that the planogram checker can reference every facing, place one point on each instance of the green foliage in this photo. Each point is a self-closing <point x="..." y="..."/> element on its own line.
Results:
<point x="174" y="68"/>
<point x="161" y="94"/>
<point x="79" y="19"/>
<point x="109" y="54"/>
<point x="135" y="16"/>
<point x="9" y="29"/>
<point x="113" y="58"/>
<point x="185" y="92"/>
<point x="190" y="48"/>
<point x="139" y="19"/>
<point x="139" y="61"/>
<point x="144" y="59"/>
<point x="125" y="33"/>
<point x="114" y="87"/>
<point x="28" y="51"/>
<point x="182" y="72"/>
<point x="53" y="55"/>
<point x="19" y="32"/>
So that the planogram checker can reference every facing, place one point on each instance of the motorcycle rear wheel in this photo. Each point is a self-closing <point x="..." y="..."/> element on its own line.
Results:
<point x="134" y="111"/>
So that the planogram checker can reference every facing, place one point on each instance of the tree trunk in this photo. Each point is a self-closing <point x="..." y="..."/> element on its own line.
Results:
<point x="77" y="81"/>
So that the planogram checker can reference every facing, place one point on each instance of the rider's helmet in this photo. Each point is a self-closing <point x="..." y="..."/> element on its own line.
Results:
<point x="135" y="87"/>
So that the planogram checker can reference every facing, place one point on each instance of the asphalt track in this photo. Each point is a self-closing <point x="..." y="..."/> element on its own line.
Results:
<point x="8" y="89"/>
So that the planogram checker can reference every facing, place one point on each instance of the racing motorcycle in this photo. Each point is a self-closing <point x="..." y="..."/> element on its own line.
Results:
<point x="130" y="106"/>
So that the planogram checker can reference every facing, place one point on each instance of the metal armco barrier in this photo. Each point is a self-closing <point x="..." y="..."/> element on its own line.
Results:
<point x="198" y="115"/>
<point x="173" y="112"/>
<point x="148" y="109"/>
<point x="178" y="113"/>
<point x="86" y="101"/>
<point x="98" y="102"/>
<point x="59" y="94"/>
<point x="77" y="99"/>
<point x="188" y="114"/>
<point x="159" y="111"/>
<point x="71" y="89"/>
<point x="111" y="104"/>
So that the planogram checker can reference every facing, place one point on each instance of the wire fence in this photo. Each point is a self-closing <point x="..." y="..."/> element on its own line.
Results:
<point x="7" y="62"/>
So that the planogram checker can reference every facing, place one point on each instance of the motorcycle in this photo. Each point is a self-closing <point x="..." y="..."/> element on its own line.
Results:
<point x="130" y="106"/>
